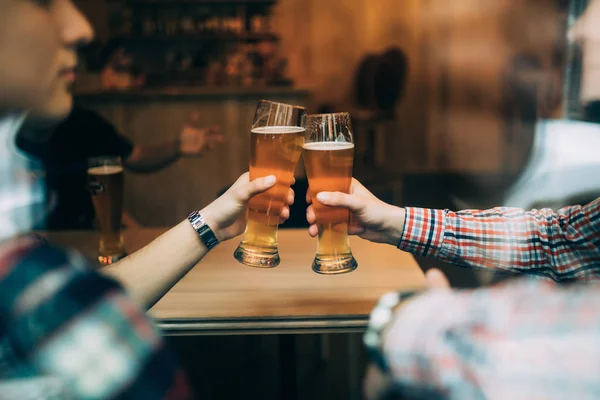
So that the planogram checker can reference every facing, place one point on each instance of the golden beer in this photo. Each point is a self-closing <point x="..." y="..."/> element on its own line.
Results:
<point x="329" y="169"/>
<point x="274" y="150"/>
<point x="276" y="139"/>
<point x="328" y="159"/>
<point x="106" y="184"/>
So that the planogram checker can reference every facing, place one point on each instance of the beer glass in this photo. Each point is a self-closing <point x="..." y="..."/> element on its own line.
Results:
<point x="328" y="158"/>
<point x="105" y="176"/>
<point x="276" y="140"/>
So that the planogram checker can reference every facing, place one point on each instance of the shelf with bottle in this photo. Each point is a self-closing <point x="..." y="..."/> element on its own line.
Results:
<point x="195" y="23"/>
<point x="194" y="2"/>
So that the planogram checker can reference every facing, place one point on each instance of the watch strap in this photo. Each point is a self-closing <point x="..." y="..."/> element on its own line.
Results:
<point x="380" y="318"/>
<point x="206" y="234"/>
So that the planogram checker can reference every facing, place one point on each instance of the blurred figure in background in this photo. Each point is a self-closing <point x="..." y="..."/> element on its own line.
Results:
<point x="65" y="148"/>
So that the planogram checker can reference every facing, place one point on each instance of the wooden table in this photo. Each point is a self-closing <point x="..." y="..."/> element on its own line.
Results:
<point x="222" y="297"/>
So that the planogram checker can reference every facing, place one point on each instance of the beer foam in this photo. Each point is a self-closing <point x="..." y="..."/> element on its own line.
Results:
<point x="278" y="130"/>
<point x="105" y="170"/>
<point x="322" y="146"/>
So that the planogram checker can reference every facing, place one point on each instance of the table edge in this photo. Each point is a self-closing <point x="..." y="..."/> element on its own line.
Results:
<point x="261" y="326"/>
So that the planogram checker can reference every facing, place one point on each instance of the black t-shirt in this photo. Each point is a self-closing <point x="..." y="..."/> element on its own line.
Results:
<point x="84" y="134"/>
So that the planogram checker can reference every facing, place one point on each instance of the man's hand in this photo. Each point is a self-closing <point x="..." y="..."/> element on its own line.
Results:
<point x="435" y="279"/>
<point x="226" y="215"/>
<point x="371" y="218"/>
<point x="194" y="141"/>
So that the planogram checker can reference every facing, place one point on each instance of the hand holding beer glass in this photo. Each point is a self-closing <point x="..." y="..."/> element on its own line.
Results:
<point x="328" y="159"/>
<point x="106" y="186"/>
<point x="276" y="142"/>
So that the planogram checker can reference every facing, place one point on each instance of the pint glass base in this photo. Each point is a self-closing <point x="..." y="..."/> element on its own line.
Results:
<point x="110" y="258"/>
<point x="111" y="248"/>
<point x="333" y="265"/>
<point x="258" y="257"/>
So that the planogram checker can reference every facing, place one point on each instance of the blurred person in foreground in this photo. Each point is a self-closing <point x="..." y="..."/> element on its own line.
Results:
<point x="67" y="331"/>
<point x="64" y="148"/>
<point x="523" y="339"/>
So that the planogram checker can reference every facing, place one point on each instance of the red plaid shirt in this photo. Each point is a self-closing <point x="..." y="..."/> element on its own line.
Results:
<point x="562" y="245"/>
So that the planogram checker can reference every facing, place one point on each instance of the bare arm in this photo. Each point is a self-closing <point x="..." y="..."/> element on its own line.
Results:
<point x="150" y="272"/>
<point x="151" y="158"/>
<point x="191" y="142"/>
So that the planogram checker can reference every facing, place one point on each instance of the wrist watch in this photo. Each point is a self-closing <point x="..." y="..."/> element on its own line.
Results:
<point x="206" y="234"/>
<point x="379" y="320"/>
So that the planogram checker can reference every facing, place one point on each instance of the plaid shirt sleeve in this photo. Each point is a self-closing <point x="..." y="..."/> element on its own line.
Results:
<point x="63" y="323"/>
<point x="562" y="245"/>
<point x="527" y="339"/>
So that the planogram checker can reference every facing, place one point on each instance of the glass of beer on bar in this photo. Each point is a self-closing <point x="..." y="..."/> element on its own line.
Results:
<point x="276" y="140"/>
<point x="328" y="159"/>
<point x="105" y="176"/>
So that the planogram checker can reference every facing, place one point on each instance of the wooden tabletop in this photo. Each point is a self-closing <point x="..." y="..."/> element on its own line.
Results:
<point x="221" y="296"/>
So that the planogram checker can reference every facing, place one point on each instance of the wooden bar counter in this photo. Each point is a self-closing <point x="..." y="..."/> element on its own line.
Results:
<point x="222" y="297"/>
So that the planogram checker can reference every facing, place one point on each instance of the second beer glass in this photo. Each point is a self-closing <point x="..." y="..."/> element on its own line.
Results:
<point x="276" y="142"/>
<point x="328" y="158"/>
<point x="106" y="185"/>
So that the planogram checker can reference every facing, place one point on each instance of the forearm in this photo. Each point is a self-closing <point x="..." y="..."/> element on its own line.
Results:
<point x="515" y="341"/>
<point x="152" y="271"/>
<point x="150" y="158"/>
<point x="559" y="245"/>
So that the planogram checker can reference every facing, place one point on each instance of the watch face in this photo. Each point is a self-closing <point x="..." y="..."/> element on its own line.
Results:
<point x="203" y="230"/>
